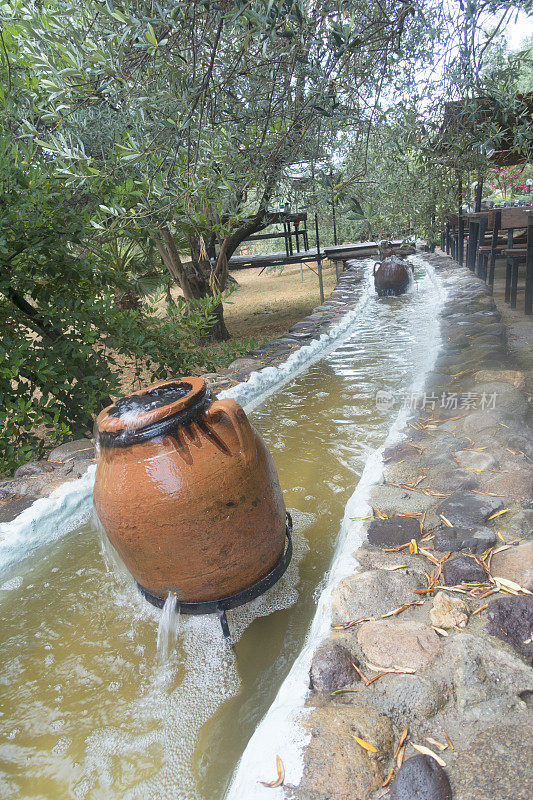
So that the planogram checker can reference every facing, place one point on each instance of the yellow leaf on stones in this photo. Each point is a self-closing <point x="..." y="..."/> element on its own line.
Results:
<point x="388" y="778"/>
<point x="401" y="741"/>
<point x="427" y="752"/>
<point x="499" y="513"/>
<point x="400" y="756"/>
<point x="435" y="743"/>
<point x="511" y="586"/>
<point x="365" y="745"/>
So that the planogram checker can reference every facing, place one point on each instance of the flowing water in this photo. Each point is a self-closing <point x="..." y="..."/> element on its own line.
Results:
<point x="168" y="627"/>
<point x="103" y="697"/>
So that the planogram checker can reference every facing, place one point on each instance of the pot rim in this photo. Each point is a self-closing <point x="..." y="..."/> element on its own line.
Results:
<point x="128" y="423"/>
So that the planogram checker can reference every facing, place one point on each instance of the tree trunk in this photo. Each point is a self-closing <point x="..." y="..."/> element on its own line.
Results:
<point x="166" y="246"/>
<point x="193" y="278"/>
<point x="218" y="330"/>
<point x="206" y="284"/>
<point x="198" y="278"/>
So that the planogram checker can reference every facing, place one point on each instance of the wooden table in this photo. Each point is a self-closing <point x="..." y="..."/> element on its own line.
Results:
<point x="503" y="219"/>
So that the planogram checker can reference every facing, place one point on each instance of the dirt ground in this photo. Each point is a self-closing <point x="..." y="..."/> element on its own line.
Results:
<point x="263" y="306"/>
<point x="266" y="304"/>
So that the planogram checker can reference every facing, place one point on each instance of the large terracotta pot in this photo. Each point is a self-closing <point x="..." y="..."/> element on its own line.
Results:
<point x="187" y="492"/>
<point x="392" y="275"/>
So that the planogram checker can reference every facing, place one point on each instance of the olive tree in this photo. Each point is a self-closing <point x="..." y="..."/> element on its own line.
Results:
<point x="65" y="341"/>
<point x="183" y="117"/>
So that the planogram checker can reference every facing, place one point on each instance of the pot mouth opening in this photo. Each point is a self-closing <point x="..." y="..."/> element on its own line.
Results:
<point x="151" y="405"/>
<point x="157" y="397"/>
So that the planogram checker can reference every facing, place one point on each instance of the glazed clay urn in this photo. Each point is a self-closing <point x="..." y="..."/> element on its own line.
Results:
<point x="187" y="492"/>
<point x="392" y="275"/>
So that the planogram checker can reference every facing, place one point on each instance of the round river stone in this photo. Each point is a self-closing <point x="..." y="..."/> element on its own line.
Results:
<point x="462" y="569"/>
<point x="332" y="667"/>
<point x="421" y="778"/>
<point x="511" y="619"/>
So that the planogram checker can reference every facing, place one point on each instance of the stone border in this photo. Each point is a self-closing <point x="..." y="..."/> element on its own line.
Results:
<point x="451" y="665"/>
<point x="71" y="460"/>
<point x="323" y="318"/>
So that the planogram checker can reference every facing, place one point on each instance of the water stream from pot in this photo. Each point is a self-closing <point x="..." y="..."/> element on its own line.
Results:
<point x="167" y="629"/>
<point x="90" y="709"/>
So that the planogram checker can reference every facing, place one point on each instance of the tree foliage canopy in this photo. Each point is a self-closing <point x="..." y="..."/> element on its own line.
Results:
<point x="142" y="142"/>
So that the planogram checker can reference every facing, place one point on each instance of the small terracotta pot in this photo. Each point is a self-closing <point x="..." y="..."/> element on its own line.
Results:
<point x="392" y="276"/>
<point x="187" y="492"/>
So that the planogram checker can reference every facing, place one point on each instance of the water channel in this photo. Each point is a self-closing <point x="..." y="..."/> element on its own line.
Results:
<point x="90" y="707"/>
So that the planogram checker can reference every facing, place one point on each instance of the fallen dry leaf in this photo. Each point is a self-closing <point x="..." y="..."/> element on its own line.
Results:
<point x="499" y="513"/>
<point x="381" y="514"/>
<point x="440" y="631"/>
<point x="396" y="566"/>
<point x="400" y="756"/>
<point x="431" y="493"/>
<point x="376" y="677"/>
<point x="365" y="745"/>
<point x="394" y="669"/>
<point x="510" y="586"/>
<point x="401" y="740"/>
<point x="427" y="752"/>
<point x="446" y="521"/>
<point x="448" y="740"/>
<point x="416" y="446"/>
<point x="502" y="548"/>
<point x="480" y="608"/>
<point x="411" y="514"/>
<point x="281" y="776"/>
<point x="361" y="674"/>
<point x="388" y="778"/>
<point x="429" y="556"/>
<point x="436" y="744"/>
<point x="344" y="625"/>
<point x="487" y="594"/>
<point x="454" y="589"/>
<point x="402" y="608"/>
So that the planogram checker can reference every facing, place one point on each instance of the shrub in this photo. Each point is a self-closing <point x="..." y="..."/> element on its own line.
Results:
<point x="64" y="339"/>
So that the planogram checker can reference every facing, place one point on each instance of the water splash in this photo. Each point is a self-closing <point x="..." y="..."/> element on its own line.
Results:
<point x="168" y="627"/>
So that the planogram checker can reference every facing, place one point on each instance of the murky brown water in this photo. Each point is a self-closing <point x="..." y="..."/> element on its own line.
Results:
<point x="88" y="709"/>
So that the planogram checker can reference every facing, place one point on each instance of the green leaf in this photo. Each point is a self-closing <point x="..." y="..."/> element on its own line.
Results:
<point x="150" y="36"/>
<point x="120" y="16"/>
